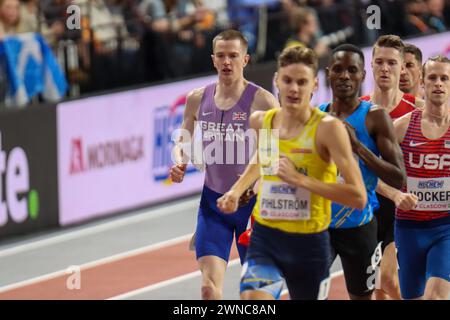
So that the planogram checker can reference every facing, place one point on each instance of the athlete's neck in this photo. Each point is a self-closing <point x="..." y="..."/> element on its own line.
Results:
<point x="230" y="89"/>
<point x="291" y="118"/>
<point x="415" y="91"/>
<point x="438" y="114"/>
<point x="387" y="99"/>
<point x="344" y="107"/>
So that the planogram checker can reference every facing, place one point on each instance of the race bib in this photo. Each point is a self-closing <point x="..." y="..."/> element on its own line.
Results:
<point x="433" y="193"/>
<point x="280" y="201"/>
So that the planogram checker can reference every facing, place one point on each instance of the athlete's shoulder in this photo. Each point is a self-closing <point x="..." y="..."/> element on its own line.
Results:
<point x="329" y="123"/>
<point x="196" y="95"/>
<point x="378" y="111"/>
<point x="406" y="118"/>
<point x="264" y="100"/>
<point x="256" y="119"/>
<point x="401" y="125"/>
<point x="193" y="101"/>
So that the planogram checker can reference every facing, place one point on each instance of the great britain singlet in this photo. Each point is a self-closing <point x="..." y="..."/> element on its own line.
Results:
<point x="226" y="148"/>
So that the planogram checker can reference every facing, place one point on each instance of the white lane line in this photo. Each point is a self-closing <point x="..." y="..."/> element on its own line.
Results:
<point x="70" y="235"/>
<point x="95" y="263"/>
<point x="165" y="283"/>
<point x="188" y="276"/>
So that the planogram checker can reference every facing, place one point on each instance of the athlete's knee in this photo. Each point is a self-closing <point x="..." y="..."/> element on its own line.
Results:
<point x="210" y="291"/>
<point x="437" y="290"/>
<point x="390" y="285"/>
<point x="256" y="295"/>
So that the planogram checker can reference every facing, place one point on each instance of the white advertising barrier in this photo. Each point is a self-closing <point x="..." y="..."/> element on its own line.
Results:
<point x="430" y="46"/>
<point x="114" y="151"/>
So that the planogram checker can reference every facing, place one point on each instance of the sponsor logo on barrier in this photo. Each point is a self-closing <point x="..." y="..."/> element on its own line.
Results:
<point x="105" y="154"/>
<point x="166" y="120"/>
<point x="20" y="202"/>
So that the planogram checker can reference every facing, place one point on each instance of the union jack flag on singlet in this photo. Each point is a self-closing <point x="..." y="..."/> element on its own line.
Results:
<point x="427" y="164"/>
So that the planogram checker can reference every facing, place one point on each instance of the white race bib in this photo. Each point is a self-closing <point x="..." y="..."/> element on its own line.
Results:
<point x="433" y="193"/>
<point x="280" y="201"/>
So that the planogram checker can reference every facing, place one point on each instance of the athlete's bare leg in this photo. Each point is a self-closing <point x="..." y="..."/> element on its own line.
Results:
<point x="353" y="297"/>
<point x="437" y="289"/>
<point x="213" y="271"/>
<point x="256" y="295"/>
<point x="390" y="288"/>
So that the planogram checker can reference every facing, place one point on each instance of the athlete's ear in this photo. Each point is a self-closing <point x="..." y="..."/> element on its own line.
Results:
<point x="327" y="72"/>
<point x="316" y="84"/>
<point x="212" y="58"/>
<point x="246" y="59"/>
<point x="275" y="79"/>
<point x="364" y="75"/>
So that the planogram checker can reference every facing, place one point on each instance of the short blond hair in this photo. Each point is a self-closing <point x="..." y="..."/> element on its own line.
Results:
<point x="390" y="41"/>
<point x="438" y="58"/>
<point x="231" y="35"/>
<point x="299" y="54"/>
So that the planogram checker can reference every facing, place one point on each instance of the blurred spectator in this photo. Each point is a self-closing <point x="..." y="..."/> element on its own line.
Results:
<point x="10" y="20"/>
<point x="54" y="13"/>
<point x="447" y="13"/>
<point x="245" y="18"/>
<point x="129" y="11"/>
<point x="417" y="13"/>
<point x="191" y="24"/>
<point x="34" y="21"/>
<point x="307" y="31"/>
<point x="154" y="15"/>
<point x="436" y="19"/>
<point x="105" y="33"/>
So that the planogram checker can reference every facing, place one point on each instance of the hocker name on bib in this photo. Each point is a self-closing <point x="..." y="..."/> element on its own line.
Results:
<point x="433" y="193"/>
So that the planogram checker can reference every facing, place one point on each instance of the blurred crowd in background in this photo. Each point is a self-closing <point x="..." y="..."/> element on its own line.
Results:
<point x="128" y="42"/>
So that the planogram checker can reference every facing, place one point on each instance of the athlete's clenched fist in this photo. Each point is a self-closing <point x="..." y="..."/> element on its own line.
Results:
<point x="177" y="172"/>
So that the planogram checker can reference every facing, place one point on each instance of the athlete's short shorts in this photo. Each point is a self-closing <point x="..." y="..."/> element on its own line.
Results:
<point x="215" y="230"/>
<point x="385" y="220"/>
<point x="360" y="255"/>
<point x="423" y="251"/>
<point x="303" y="260"/>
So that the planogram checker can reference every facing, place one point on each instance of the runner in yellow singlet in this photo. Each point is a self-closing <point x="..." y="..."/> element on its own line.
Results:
<point x="300" y="149"/>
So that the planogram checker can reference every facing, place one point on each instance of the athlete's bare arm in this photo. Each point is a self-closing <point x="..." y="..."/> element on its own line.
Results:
<point x="228" y="203"/>
<point x="389" y="167"/>
<point x="333" y="144"/>
<point x="264" y="101"/>
<point x="402" y="200"/>
<point x="189" y="117"/>
<point x="401" y="125"/>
